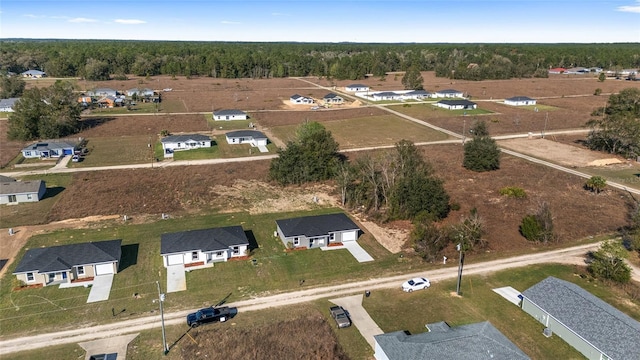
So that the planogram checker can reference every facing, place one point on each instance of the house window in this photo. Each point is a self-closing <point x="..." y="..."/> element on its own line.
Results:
<point x="236" y="250"/>
<point x="27" y="153"/>
<point x="30" y="277"/>
<point x="296" y="241"/>
<point x="52" y="276"/>
<point x="80" y="270"/>
<point x="194" y="255"/>
<point x="12" y="199"/>
<point x="29" y="196"/>
<point x="219" y="254"/>
<point x="332" y="237"/>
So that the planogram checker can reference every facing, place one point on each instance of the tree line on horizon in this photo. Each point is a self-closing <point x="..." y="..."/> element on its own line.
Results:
<point x="105" y="59"/>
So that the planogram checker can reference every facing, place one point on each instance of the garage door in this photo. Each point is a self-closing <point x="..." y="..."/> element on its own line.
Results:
<point x="103" y="269"/>
<point x="175" y="259"/>
<point x="349" y="236"/>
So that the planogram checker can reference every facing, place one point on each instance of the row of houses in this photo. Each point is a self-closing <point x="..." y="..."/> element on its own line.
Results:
<point x="591" y="326"/>
<point x="173" y="143"/>
<point x="195" y="249"/>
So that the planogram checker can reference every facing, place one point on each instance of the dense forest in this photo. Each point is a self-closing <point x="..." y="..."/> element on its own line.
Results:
<point x="102" y="59"/>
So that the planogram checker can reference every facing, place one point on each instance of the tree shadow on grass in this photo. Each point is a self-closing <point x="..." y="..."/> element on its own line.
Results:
<point x="91" y="122"/>
<point x="52" y="192"/>
<point x="129" y="255"/>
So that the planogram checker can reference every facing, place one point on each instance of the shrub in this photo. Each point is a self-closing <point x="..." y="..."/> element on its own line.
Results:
<point x="597" y="92"/>
<point x="514" y="192"/>
<point x="530" y="228"/>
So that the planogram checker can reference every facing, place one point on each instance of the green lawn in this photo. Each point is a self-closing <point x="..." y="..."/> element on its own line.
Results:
<point x="627" y="176"/>
<point x="227" y="125"/>
<point x="430" y="111"/>
<point x="37" y="212"/>
<point x="222" y="149"/>
<point x="538" y="107"/>
<point x="105" y="151"/>
<point x="370" y="131"/>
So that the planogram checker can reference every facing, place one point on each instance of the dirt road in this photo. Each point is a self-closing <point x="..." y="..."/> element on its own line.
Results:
<point x="569" y="255"/>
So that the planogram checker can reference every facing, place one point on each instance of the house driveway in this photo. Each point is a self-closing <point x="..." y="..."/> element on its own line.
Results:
<point x="101" y="288"/>
<point x="263" y="149"/>
<point x="509" y="293"/>
<point x="110" y="345"/>
<point x="357" y="251"/>
<point x="359" y="317"/>
<point x="176" y="278"/>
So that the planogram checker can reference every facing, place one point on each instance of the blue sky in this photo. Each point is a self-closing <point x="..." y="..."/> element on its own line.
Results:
<point x="423" y="21"/>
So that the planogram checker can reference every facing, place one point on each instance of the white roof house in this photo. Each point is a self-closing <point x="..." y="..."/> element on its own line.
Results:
<point x="7" y="105"/>
<point x="356" y="87"/>
<point x="456" y="104"/>
<point x="102" y="92"/>
<point x="230" y="114"/>
<point x="299" y="99"/>
<point x="519" y="101"/>
<point x="446" y="93"/>
<point x="15" y="192"/>
<point x="33" y="74"/>
<point x="252" y="137"/>
<point x="140" y="92"/>
<point x="173" y="143"/>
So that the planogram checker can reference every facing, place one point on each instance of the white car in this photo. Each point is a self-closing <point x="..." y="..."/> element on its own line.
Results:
<point x="415" y="284"/>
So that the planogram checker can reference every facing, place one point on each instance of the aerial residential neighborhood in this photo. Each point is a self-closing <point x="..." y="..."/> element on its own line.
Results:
<point x="290" y="185"/>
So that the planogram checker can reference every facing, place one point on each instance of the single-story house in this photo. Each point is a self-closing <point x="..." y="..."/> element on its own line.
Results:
<point x="557" y="70"/>
<point x="85" y="100"/>
<point x="456" y="104"/>
<point x="417" y="94"/>
<point x="299" y="99"/>
<point x="140" y="92"/>
<point x="111" y="101"/>
<point x="8" y="105"/>
<point x="253" y="137"/>
<point x="230" y="114"/>
<point x="519" y="101"/>
<point x="67" y="263"/>
<point x="593" y="327"/>
<point x="15" y="192"/>
<point x="102" y="92"/>
<point x="173" y="143"/>
<point x="477" y="341"/>
<point x="203" y="247"/>
<point x="34" y="74"/>
<point x="386" y="95"/>
<point x="448" y="93"/>
<point x="356" y="88"/>
<point x="332" y="98"/>
<point x="577" y="70"/>
<point x="48" y="149"/>
<point x="317" y="230"/>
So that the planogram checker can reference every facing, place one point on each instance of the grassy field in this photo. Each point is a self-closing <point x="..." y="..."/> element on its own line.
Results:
<point x="370" y="131"/>
<point x="105" y="151"/>
<point x="629" y="176"/>
<point x="427" y="111"/>
<point x="36" y="212"/>
<point x="222" y="149"/>
<point x="394" y="310"/>
<point x="227" y="125"/>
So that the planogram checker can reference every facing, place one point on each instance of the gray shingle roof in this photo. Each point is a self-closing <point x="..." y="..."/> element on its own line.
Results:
<point x="229" y="112"/>
<point x="356" y="86"/>
<point x="457" y="102"/>
<point x="296" y="96"/>
<point x="185" y="138"/>
<point x="386" y="93"/>
<point x="448" y="91"/>
<point x="20" y="187"/>
<point x="519" y="98"/>
<point x="246" y="133"/>
<point x="213" y="239"/>
<point x="332" y="96"/>
<point x="317" y="225"/>
<point x="607" y="328"/>
<point x="418" y="92"/>
<point x="57" y="258"/>
<point x="468" y="342"/>
<point x="49" y="145"/>
<point x="8" y="103"/>
<point x="33" y="72"/>
<point x="6" y="178"/>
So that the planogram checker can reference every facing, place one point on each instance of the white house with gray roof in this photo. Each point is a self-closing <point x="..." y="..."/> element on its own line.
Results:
<point x="69" y="263"/>
<point x="8" y="105"/>
<point x="332" y="99"/>
<point x="140" y="92"/>
<point x="229" y="114"/>
<point x="15" y="192"/>
<point x="46" y="149"/>
<point x="252" y="137"/>
<point x="356" y="88"/>
<point x="448" y="93"/>
<point x="593" y="327"/>
<point x="519" y="101"/>
<point x="477" y="341"/>
<point x="317" y="230"/>
<point x="34" y="74"/>
<point x="297" y="99"/>
<point x="102" y="92"/>
<point x="202" y="248"/>
<point x="173" y="143"/>
<point x="462" y="104"/>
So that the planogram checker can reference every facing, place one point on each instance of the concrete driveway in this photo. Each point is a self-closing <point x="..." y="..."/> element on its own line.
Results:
<point x="357" y="251"/>
<point x="176" y="278"/>
<point x="101" y="288"/>
<point x="359" y="317"/>
<point x="110" y="345"/>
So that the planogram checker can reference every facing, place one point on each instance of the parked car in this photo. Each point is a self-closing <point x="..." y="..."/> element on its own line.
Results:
<point x="210" y="314"/>
<point x="340" y="316"/>
<point x="415" y="284"/>
<point x="75" y="158"/>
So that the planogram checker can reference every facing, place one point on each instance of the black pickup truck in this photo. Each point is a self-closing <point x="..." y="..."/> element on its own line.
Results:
<point x="210" y="314"/>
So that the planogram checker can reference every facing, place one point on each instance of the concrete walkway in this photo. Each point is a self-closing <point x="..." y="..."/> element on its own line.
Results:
<point x="360" y="317"/>
<point x="509" y="293"/>
<point x="176" y="278"/>
<point x="62" y="163"/>
<point x="263" y="149"/>
<point x="357" y="251"/>
<point x="101" y="288"/>
<point x="110" y="345"/>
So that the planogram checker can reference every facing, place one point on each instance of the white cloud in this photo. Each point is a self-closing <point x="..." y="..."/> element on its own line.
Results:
<point x="130" y="21"/>
<point x="230" y="22"/>
<point x="82" y="20"/>
<point x="630" y="8"/>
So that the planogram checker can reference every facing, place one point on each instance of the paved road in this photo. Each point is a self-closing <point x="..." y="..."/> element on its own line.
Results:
<point x="570" y="255"/>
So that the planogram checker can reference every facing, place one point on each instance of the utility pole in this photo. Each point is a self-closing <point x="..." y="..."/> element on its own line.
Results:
<point x="459" y="248"/>
<point x="164" y="336"/>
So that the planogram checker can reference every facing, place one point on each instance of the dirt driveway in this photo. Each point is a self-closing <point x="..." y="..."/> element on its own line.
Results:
<point x="559" y="153"/>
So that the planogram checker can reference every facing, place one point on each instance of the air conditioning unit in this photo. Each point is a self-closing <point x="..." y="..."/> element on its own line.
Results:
<point x="547" y="332"/>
